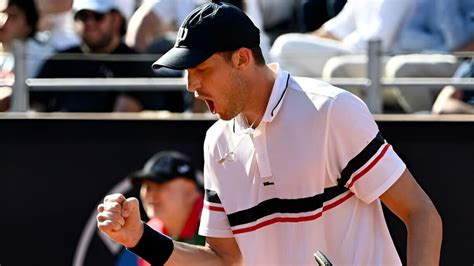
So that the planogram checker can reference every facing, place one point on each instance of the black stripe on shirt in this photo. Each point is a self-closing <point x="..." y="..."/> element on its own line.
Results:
<point x="309" y="204"/>
<point x="211" y="196"/>
<point x="277" y="205"/>
<point x="360" y="159"/>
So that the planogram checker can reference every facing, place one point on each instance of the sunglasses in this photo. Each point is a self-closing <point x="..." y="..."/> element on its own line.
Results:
<point x="86" y="15"/>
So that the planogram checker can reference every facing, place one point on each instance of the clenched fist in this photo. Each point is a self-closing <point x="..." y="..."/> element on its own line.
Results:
<point x="119" y="218"/>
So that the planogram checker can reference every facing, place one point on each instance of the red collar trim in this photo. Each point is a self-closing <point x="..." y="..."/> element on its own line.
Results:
<point x="192" y="224"/>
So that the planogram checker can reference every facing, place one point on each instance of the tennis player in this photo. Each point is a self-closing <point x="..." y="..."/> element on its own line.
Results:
<point x="294" y="165"/>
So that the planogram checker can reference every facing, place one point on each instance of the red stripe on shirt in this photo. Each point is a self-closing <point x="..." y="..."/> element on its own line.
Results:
<point x="370" y="166"/>
<point x="214" y="208"/>
<point x="293" y="219"/>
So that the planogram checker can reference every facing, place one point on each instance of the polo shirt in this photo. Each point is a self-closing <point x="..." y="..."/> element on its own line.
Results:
<point x="307" y="178"/>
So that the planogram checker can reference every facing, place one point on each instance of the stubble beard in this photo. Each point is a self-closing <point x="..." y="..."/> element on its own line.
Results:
<point x="99" y="45"/>
<point x="237" y="99"/>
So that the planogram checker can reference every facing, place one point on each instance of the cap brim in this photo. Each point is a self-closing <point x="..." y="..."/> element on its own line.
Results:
<point x="181" y="58"/>
<point x="139" y="176"/>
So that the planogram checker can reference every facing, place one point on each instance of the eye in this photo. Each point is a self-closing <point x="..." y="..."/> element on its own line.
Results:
<point x="201" y="69"/>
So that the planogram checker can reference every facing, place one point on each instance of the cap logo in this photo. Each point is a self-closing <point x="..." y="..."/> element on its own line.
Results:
<point x="183" y="168"/>
<point x="182" y="34"/>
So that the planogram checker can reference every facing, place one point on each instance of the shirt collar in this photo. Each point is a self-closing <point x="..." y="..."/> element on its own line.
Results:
<point x="192" y="224"/>
<point x="241" y="126"/>
<point x="278" y="92"/>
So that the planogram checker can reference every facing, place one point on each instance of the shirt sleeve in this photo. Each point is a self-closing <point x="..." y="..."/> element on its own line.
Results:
<point x="214" y="221"/>
<point x="381" y="20"/>
<point x="358" y="157"/>
<point x="387" y="17"/>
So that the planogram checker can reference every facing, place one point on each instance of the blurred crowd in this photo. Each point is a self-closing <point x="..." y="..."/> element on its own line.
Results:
<point x="315" y="38"/>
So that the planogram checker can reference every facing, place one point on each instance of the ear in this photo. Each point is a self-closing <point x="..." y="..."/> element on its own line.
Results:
<point x="242" y="57"/>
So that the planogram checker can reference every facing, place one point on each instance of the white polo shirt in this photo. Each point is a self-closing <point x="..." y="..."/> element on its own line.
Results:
<point x="308" y="178"/>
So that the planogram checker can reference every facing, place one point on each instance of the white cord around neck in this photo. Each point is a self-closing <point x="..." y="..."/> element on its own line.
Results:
<point x="248" y="131"/>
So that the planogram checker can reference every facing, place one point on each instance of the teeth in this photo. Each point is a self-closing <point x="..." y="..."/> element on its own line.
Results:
<point x="196" y="94"/>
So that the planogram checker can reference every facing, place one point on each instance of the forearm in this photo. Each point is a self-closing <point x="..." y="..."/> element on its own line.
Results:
<point x="424" y="238"/>
<point x="455" y="106"/>
<point x="186" y="254"/>
<point x="158" y="249"/>
<point x="409" y="202"/>
<point x="323" y="33"/>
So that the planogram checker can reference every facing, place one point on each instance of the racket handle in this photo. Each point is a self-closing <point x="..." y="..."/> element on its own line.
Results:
<point x="321" y="259"/>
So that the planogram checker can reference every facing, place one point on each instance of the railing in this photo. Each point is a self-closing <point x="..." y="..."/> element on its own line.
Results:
<point x="372" y="84"/>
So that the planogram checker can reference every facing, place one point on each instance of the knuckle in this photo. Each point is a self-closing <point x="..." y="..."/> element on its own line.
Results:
<point x="114" y="197"/>
<point x="115" y="205"/>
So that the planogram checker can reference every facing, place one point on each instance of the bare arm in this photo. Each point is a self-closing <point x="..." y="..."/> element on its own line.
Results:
<point x="449" y="101"/>
<point x="119" y="218"/>
<point x="218" y="251"/>
<point x="323" y="33"/>
<point x="409" y="202"/>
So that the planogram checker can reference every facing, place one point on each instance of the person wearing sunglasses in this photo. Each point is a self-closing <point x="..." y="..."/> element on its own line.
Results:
<point x="101" y="25"/>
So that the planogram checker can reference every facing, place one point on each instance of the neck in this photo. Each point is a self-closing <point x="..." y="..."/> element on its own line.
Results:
<point x="4" y="47"/>
<point x="261" y="84"/>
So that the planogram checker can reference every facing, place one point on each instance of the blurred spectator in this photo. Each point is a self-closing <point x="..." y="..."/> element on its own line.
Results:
<point x="154" y="19"/>
<point x="172" y="198"/>
<point x="56" y="23"/>
<point x="152" y="29"/>
<point x="453" y="100"/>
<point x="437" y="26"/>
<point x="101" y="26"/>
<point x="347" y="33"/>
<point x="153" y="26"/>
<point x="19" y="21"/>
<point x="280" y="16"/>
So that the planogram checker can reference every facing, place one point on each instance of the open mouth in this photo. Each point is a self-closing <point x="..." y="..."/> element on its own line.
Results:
<point x="211" y="106"/>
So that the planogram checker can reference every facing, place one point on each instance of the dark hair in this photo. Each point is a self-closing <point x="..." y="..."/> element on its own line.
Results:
<point x="31" y="13"/>
<point x="256" y="53"/>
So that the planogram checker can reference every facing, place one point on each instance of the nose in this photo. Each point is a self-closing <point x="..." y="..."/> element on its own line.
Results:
<point x="192" y="84"/>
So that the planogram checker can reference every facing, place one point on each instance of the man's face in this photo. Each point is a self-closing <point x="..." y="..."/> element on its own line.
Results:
<point x="14" y="24"/>
<point x="97" y="30"/>
<point x="219" y="83"/>
<point x="162" y="200"/>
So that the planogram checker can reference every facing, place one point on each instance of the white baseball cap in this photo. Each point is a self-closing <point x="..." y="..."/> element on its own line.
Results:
<point x="124" y="7"/>
<point x="99" y="6"/>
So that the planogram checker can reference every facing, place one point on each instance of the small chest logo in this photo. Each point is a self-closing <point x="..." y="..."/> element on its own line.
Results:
<point x="182" y="34"/>
<point x="268" y="183"/>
